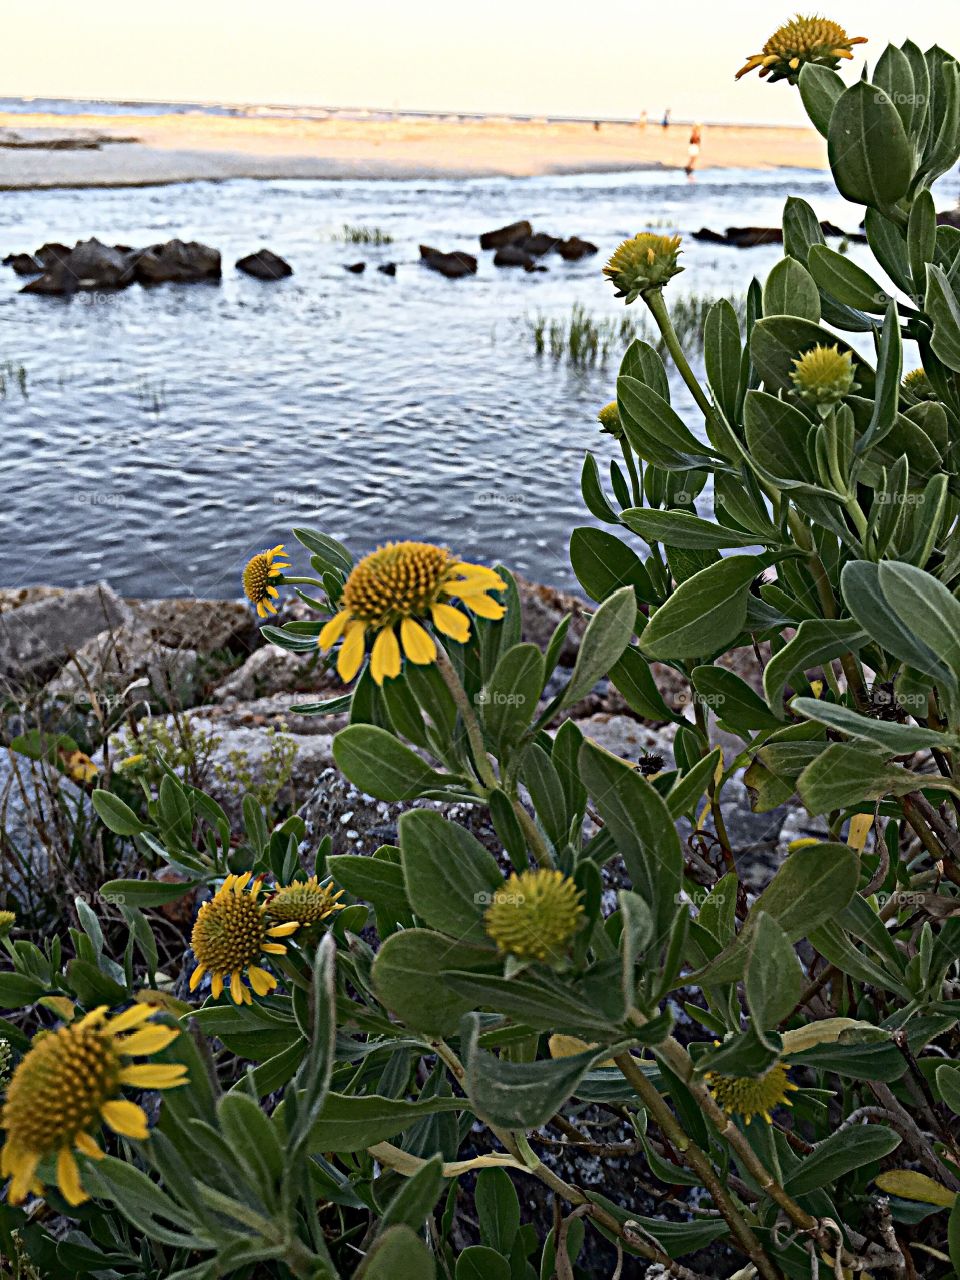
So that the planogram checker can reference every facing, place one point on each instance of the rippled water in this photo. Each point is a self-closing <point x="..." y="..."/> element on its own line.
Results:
<point x="165" y="434"/>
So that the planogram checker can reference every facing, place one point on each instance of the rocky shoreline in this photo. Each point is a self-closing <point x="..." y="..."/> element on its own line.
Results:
<point x="69" y="654"/>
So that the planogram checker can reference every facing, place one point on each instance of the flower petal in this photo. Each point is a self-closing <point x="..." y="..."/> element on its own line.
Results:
<point x="68" y="1178"/>
<point x="126" y="1118"/>
<point x="131" y="1017"/>
<point x="236" y="987"/>
<point x="451" y="622"/>
<point x="484" y="607"/>
<point x="385" y="656"/>
<point x="148" y="1040"/>
<point x="85" y="1144"/>
<point x="333" y="630"/>
<point x="261" y="981"/>
<point x="418" y="645"/>
<point x="154" y="1075"/>
<point x="283" y="930"/>
<point x="351" y="651"/>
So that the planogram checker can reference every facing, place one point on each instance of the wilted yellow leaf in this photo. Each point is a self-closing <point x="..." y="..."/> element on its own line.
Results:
<point x="910" y="1185"/>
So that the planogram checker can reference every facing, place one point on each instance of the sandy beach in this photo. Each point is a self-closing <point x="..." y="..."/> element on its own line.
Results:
<point x="38" y="151"/>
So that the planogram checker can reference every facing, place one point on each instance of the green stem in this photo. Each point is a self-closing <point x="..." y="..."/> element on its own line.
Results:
<point x="632" y="468"/>
<point x="284" y="581"/>
<point x="481" y="760"/>
<point x="533" y="837"/>
<point x="658" y="309"/>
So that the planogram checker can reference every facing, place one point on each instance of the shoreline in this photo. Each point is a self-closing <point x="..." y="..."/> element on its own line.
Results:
<point x="47" y="152"/>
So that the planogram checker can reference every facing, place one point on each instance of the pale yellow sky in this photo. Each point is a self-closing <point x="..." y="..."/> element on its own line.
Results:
<point x="606" y="58"/>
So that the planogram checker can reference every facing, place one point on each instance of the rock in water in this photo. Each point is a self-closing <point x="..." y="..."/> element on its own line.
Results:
<point x="387" y="268"/>
<point x="511" y="255"/>
<point x="540" y="243"/>
<point x="177" y="262"/>
<point x="573" y="249"/>
<point x="89" y="266"/>
<point x="265" y="265"/>
<point x="51" y="252"/>
<point x="355" y="268"/>
<point x="24" y="264"/>
<point x="452" y="265"/>
<point x="511" y="234"/>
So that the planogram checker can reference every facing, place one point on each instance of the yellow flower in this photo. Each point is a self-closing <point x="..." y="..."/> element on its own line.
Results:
<point x="609" y="419"/>
<point x="918" y="385"/>
<point x="535" y="915"/>
<point x="7" y="920"/>
<point x="751" y="1096"/>
<point x="258" y="579"/>
<point x="69" y="1083"/>
<point x="822" y="376"/>
<point x="393" y="588"/>
<point x="131" y="762"/>
<point x="802" y="39"/>
<point x="644" y="263"/>
<point x="231" y="933"/>
<point x="78" y="766"/>
<point x="306" y="901"/>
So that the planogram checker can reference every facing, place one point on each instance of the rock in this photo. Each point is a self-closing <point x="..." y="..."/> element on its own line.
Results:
<point x="27" y="793"/>
<point x="118" y="657"/>
<point x="24" y="264"/>
<point x="831" y="229"/>
<point x="177" y="262"/>
<point x="741" y="237"/>
<point x="510" y="234"/>
<point x="387" y="268"/>
<point x="539" y="244"/>
<point x="531" y="267"/>
<point x="203" y="625"/>
<point x="37" y="636"/>
<point x="51" y="252"/>
<point x="573" y="249"/>
<point x="949" y="218"/>
<point x="628" y="738"/>
<point x="452" y="265"/>
<point x="511" y="255"/>
<point x="356" y="268"/>
<point x="272" y="670"/>
<point x="265" y="265"/>
<point x="89" y="266"/>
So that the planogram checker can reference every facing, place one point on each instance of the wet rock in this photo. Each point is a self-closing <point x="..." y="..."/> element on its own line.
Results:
<point x="37" y="636"/>
<point x="52" y="252"/>
<point x="532" y="268"/>
<point x="24" y="264"/>
<point x="203" y="625"/>
<point x="89" y="266"/>
<point x="573" y="249"/>
<point x="452" y="265"/>
<point x="387" y="268"/>
<point x="949" y="218"/>
<point x="271" y="670"/>
<point x="508" y="235"/>
<point x="741" y="237"/>
<point x="265" y="265"/>
<point x="355" y="268"/>
<point x="539" y="243"/>
<point x="511" y="255"/>
<point x="177" y="262"/>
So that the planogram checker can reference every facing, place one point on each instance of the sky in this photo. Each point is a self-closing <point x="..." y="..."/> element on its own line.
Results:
<point x="605" y="58"/>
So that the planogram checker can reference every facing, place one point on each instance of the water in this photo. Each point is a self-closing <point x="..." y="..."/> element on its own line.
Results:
<point x="167" y="434"/>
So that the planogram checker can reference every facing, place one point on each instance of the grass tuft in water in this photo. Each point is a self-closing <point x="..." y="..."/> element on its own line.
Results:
<point x="363" y="235"/>
<point x="12" y="375"/>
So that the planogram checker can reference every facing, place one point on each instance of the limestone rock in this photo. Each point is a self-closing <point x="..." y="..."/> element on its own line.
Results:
<point x="37" y="636"/>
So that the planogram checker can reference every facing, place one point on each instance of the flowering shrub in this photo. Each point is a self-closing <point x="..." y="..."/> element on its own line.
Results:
<point x="365" y="1049"/>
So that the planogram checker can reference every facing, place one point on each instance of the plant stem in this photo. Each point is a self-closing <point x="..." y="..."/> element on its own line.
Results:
<point x="632" y="468"/>
<point x="699" y="1163"/>
<point x="481" y="760"/>
<point x="533" y="837"/>
<point x="658" y="309"/>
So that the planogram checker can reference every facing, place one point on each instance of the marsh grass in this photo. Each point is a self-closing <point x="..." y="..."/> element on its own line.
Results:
<point x="358" y="234"/>
<point x="12" y="375"/>
<point x="586" y="340"/>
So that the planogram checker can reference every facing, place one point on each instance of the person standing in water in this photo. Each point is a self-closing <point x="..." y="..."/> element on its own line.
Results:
<point x="693" y="150"/>
<point x="666" y="119"/>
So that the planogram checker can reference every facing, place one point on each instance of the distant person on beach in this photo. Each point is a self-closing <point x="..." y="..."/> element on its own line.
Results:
<point x="642" y="122"/>
<point x="693" y="150"/>
<point x="666" y="119"/>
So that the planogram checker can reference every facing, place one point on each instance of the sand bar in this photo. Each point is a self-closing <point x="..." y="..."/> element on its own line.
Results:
<point x="137" y="150"/>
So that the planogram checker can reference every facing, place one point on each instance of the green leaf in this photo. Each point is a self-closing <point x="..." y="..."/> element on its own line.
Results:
<point x="546" y="792"/>
<point x="943" y="307"/>
<point x="732" y="700"/>
<point x="705" y="613"/>
<point x="839" y="276"/>
<point x="348" y="1122"/>
<point x="641" y="407"/>
<point x="921" y="236"/>
<point x="399" y="1254"/>
<point x="820" y="88"/>
<point x="17" y="990"/>
<point x="115" y="814"/>
<point x="791" y="290"/>
<point x="691" y="785"/>
<point x="592" y="490"/>
<point x="509" y="701"/>
<point x="533" y="1002"/>
<point x="896" y="739"/>
<point x="477" y="1262"/>
<point x="415" y="1200"/>
<point x="840" y="1153"/>
<point x="722" y="355"/>
<point x="643" y="362"/>
<point x="776" y="433"/>
<point x="405" y="978"/>
<point x="642" y="828"/>
<point x="633" y="678"/>
<point x="604" y="641"/>
<point x="603" y="563"/>
<point x="515" y="1095"/>
<point x="333" y="553"/>
<point x="375" y="880"/>
<point x="801" y="227"/>
<point x="948" y="1083"/>
<point x="378" y="764"/>
<point x="683" y="529"/>
<point x="774" y="979"/>
<point x="145" y="893"/>
<point x="925" y="606"/>
<point x="848" y="774"/>
<point x="498" y="1209"/>
<point x="870" y="153"/>
<point x="863" y="596"/>
<point x="449" y="875"/>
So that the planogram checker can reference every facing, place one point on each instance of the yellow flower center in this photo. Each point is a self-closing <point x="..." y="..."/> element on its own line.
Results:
<point x="307" y="902"/>
<point x="59" y="1088"/>
<point x="7" y="920"/>
<point x="256" y="578"/>
<point x="229" y="933"/>
<point x="823" y="375"/>
<point x="751" y="1096"/>
<point x="400" y="580"/>
<point x="806" y="38"/>
<point x="535" y="915"/>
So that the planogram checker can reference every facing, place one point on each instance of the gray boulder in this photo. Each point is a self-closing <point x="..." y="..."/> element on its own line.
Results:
<point x="37" y="637"/>
<point x="452" y="265"/>
<point x="177" y="262"/>
<point x="265" y="265"/>
<point x="510" y="234"/>
<point x="24" y="264"/>
<point x="89" y="266"/>
<point x="115" y="659"/>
